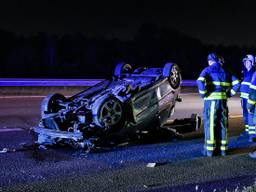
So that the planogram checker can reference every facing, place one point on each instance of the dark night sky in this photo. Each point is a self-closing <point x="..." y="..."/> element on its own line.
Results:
<point x="212" y="21"/>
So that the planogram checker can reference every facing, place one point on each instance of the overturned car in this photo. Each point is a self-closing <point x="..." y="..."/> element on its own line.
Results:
<point x="132" y="100"/>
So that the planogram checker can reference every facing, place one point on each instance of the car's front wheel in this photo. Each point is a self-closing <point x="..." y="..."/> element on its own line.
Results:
<point x="122" y="69"/>
<point x="52" y="103"/>
<point x="108" y="113"/>
<point x="172" y="72"/>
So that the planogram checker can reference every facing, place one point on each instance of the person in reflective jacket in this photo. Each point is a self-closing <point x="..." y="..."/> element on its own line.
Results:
<point x="251" y="107"/>
<point x="248" y="71"/>
<point x="252" y="110"/>
<point x="216" y="85"/>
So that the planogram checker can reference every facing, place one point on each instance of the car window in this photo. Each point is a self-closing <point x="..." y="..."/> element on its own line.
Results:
<point x="165" y="88"/>
<point x="144" y="101"/>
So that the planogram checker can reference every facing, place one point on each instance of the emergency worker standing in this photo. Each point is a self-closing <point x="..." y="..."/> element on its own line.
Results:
<point x="248" y="71"/>
<point x="216" y="85"/>
<point x="251" y="107"/>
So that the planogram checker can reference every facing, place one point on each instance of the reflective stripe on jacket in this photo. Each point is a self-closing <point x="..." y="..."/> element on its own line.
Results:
<point x="252" y="94"/>
<point x="215" y="82"/>
<point x="245" y="85"/>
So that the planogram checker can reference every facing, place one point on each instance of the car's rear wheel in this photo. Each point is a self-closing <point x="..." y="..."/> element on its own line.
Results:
<point x="51" y="103"/>
<point x="108" y="113"/>
<point x="172" y="72"/>
<point x="122" y="69"/>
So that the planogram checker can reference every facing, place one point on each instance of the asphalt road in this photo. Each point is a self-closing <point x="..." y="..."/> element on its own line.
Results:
<point x="180" y="165"/>
<point x="24" y="111"/>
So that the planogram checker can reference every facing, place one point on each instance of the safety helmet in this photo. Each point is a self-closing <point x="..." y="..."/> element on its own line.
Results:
<point x="213" y="57"/>
<point x="249" y="58"/>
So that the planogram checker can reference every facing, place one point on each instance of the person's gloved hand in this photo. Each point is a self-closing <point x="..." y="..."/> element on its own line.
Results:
<point x="250" y="111"/>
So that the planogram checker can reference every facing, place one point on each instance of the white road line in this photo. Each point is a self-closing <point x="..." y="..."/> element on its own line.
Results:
<point x="236" y="116"/>
<point x="22" y="96"/>
<point x="189" y="94"/>
<point x="25" y="96"/>
<point x="10" y="130"/>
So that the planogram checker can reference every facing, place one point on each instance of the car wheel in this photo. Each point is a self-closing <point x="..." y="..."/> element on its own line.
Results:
<point x="108" y="113"/>
<point x="51" y="104"/>
<point x="121" y="69"/>
<point x="172" y="72"/>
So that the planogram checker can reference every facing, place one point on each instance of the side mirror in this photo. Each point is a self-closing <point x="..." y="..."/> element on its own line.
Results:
<point x="179" y="99"/>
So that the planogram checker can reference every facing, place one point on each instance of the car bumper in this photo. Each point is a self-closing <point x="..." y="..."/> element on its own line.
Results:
<point x="57" y="134"/>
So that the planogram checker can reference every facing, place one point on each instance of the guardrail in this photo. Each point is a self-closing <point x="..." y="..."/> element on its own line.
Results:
<point x="16" y="82"/>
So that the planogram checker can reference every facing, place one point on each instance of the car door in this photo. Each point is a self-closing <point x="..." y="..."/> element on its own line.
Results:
<point x="145" y="106"/>
<point x="166" y="97"/>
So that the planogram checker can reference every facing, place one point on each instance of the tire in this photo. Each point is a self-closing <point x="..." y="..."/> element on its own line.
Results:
<point x="172" y="72"/>
<point x="50" y="104"/>
<point x="108" y="113"/>
<point x="122" y="69"/>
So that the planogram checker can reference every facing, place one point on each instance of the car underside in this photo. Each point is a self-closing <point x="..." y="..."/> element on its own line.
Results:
<point x="140" y="99"/>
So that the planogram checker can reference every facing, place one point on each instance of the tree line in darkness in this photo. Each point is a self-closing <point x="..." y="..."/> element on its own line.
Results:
<point x="77" y="56"/>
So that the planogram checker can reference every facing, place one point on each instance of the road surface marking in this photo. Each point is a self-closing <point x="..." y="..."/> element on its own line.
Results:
<point x="21" y="96"/>
<point x="236" y="116"/>
<point x="189" y="94"/>
<point x="10" y="129"/>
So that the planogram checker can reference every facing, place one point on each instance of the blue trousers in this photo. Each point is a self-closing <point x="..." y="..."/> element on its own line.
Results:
<point x="248" y="119"/>
<point x="215" y="125"/>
